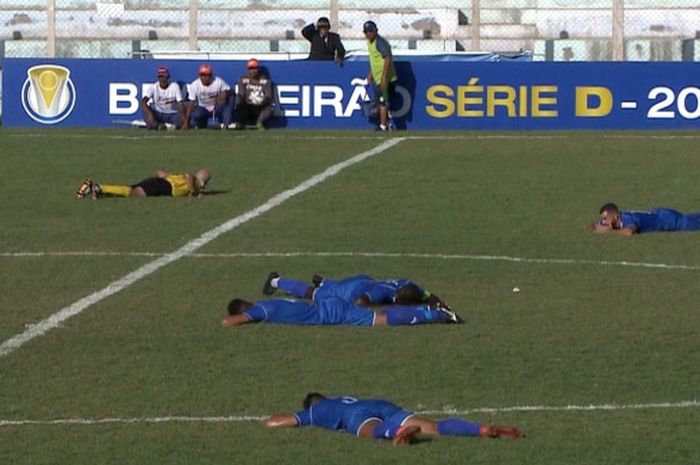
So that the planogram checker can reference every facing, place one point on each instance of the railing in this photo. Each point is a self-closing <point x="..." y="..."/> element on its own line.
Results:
<point x="552" y="29"/>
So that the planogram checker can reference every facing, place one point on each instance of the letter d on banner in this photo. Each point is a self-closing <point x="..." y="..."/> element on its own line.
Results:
<point x="586" y="105"/>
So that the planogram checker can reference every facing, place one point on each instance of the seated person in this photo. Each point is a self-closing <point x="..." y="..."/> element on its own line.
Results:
<point x="253" y="97"/>
<point x="207" y="97"/>
<point x="162" y="104"/>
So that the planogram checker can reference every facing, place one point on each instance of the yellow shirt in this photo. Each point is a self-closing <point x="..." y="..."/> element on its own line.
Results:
<point x="180" y="187"/>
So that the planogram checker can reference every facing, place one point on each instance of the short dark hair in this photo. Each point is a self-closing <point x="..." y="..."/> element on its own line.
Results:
<point x="238" y="306"/>
<point x="409" y="294"/>
<point x="610" y="208"/>
<point x="312" y="398"/>
<point x="323" y="22"/>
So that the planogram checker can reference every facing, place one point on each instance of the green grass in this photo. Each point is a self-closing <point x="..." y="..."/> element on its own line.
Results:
<point x="577" y="334"/>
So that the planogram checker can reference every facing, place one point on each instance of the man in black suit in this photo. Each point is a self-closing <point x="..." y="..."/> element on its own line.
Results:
<point x="325" y="45"/>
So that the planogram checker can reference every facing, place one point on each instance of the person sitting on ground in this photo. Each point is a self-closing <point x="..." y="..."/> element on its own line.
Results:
<point x="162" y="103"/>
<point x="253" y="97"/>
<point x="380" y="419"/>
<point x="208" y="97"/>
<point x="163" y="184"/>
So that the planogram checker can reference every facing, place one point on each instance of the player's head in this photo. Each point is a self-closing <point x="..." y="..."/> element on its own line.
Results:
<point x="370" y="30"/>
<point x="238" y="306"/>
<point x="609" y="215"/>
<point x="206" y="74"/>
<point x="410" y="294"/>
<point x="163" y="75"/>
<point x="253" y="66"/>
<point x="323" y="25"/>
<point x="203" y="177"/>
<point x="312" y="399"/>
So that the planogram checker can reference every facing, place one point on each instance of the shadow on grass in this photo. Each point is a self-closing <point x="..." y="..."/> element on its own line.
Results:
<point x="216" y="192"/>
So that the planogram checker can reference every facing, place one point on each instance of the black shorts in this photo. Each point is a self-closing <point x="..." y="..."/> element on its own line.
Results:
<point x="155" y="187"/>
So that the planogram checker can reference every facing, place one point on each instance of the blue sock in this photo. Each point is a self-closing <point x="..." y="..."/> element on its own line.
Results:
<point x="457" y="427"/>
<point x="296" y="288"/>
<point x="385" y="430"/>
<point x="406" y="315"/>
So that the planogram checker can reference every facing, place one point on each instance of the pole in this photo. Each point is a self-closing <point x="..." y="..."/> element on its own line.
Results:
<point x="476" y="25"/>
<point x="193" y="18"/>
<point x="618" y="30"/>
<point x="51" y="28"/>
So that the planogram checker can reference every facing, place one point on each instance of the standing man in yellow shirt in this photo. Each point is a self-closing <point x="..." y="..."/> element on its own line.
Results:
<point x="163" y="184"/>
<point x="381" y="70"/>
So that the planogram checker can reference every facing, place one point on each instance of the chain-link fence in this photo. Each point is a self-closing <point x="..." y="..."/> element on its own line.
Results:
<point x="551" y="29"/>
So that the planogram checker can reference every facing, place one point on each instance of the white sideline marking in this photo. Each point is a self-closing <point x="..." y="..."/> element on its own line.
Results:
<point x="57" y="318"/>
<point x="444" y="411"/>
<point x="412" y="136"/>
<point x="439" y="256"/>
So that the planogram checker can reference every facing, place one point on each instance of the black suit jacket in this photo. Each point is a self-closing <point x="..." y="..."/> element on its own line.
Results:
<point x="323" y="49"/>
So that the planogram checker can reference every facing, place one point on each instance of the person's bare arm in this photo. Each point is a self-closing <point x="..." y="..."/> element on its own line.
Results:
<point x="162" y="173"/>
<point x="147" y="111"/>
<point x="235" y="320"/>
<point x="189" y="179"/>
<point x="597" y="228"/>
<point x="189" y="106"/>
<point x="181" y="112"/>
<point x="388" y="60"/>
<point x="282" y="420"/>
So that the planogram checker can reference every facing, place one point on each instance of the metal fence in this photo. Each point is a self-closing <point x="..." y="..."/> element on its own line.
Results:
<point x="551" y="29"/>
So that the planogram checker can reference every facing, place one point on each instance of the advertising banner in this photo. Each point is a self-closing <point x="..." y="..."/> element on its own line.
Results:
<point x="430" y="95"/>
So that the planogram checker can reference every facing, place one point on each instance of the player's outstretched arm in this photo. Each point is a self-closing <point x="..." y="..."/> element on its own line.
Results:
<point x="235" y="320"/>
<point x="598" y="228"/>
<point x="282" y="420"/>
<point x="162" y="173"/>
<point x="628" y="231"/>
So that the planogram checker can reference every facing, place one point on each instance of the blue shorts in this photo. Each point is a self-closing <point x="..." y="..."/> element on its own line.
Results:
<point x="335" y="311"/>
<point x="347" y="289"/>
<point x="394" y="417"/>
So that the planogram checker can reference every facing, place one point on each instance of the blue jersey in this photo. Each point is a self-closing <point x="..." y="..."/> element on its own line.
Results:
<point x="331" y="311"/>
<point x="350" y="414"/>
<point x="349" y="289"/>
<point x="659" y="219"/>
<point x="284" y="311"/>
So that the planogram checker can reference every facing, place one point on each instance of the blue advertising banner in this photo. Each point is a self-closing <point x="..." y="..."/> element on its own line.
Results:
<point x="435" y="95"/>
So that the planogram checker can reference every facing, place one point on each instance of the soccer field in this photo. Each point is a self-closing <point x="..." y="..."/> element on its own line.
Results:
<point x="112" y="351"/>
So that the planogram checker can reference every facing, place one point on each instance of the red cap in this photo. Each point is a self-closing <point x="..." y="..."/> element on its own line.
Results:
<point x="205" y="69"/>
<point x="163" y="71"/>
<point x="253" y="63"/>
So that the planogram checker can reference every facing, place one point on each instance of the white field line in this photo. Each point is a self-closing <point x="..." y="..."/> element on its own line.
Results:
<point x="426" y="256"/>
<point x="57" y="318"/>
<point x="443" y="411"/>
<point x="408" y="135"/>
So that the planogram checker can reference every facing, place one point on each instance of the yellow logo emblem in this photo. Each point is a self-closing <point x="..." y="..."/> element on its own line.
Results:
<point x="48" y="94"/>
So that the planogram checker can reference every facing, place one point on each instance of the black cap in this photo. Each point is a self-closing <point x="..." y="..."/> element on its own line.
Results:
<point x="369" y="26"/>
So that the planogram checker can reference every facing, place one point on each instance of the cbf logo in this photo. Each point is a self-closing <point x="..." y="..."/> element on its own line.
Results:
<point x="48" y="94"/>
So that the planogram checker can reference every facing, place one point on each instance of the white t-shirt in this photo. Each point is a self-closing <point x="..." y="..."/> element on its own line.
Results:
<point x="164" y="100"/>
<point x="205" y="96"/>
